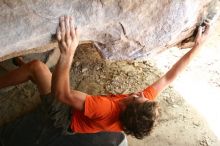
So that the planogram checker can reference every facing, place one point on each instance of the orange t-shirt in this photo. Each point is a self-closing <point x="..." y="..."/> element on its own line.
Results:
<point x="102" y="113"/>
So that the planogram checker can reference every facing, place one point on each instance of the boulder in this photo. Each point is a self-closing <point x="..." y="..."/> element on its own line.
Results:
<point x="121" y="29"/>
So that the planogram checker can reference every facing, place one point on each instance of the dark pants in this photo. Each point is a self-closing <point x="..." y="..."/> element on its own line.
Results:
<point x="48" y="126"/>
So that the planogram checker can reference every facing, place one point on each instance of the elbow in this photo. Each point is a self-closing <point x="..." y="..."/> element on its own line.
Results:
<point x="61" y="96"/>
<point x="58" y="95"/>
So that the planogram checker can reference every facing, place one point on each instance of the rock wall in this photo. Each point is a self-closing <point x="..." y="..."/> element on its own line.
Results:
<point x="121" y="29"/>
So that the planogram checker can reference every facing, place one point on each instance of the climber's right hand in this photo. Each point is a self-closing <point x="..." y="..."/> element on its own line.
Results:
<point x="67" y="36"/>
<point x="202" y="35"/>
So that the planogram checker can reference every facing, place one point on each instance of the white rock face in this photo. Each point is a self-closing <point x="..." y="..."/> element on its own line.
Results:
<point x="123" y="29"/>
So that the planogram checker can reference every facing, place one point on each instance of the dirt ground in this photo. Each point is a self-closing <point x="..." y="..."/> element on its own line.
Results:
<point x="180" y="124"/>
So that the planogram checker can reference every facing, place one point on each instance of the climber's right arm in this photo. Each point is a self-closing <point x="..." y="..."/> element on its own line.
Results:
<point x="68" y="39"/>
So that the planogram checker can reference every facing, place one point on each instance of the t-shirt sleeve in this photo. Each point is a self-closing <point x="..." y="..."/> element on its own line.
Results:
<point x="150" y="93"/>
<point x="98" y="107"/>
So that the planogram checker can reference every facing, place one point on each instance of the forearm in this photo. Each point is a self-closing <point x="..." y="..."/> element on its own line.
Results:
<point x="180" y="65"/>
<point x="60" y="78"/>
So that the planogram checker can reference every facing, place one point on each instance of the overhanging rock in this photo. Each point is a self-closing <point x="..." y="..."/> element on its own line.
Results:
<point x="122" y="29"/>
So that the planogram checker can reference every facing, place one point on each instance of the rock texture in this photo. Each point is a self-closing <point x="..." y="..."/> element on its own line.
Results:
<point x="121" y="29"/>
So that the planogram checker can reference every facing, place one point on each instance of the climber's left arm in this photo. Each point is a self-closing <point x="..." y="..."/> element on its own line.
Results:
<point x="181" y="64"/>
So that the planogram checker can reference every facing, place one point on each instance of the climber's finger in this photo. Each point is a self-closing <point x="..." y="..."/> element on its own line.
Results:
<point x="67" y="26"/>
<point x="58" y="34"/>
<point x="62" y="28"/>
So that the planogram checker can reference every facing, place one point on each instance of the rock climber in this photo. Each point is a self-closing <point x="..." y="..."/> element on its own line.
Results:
<point x="135" y="113"/>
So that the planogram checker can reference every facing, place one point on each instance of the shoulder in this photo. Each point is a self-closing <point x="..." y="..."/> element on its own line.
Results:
<point x="99" y="106"/>
<point x="150" y="93"/>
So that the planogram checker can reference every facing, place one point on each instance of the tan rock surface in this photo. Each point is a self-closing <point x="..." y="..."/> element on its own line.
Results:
<point x="127" y="29"/>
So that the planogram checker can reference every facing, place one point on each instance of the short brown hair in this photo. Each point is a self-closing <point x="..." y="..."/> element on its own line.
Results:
<point x="138" y="118"/>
